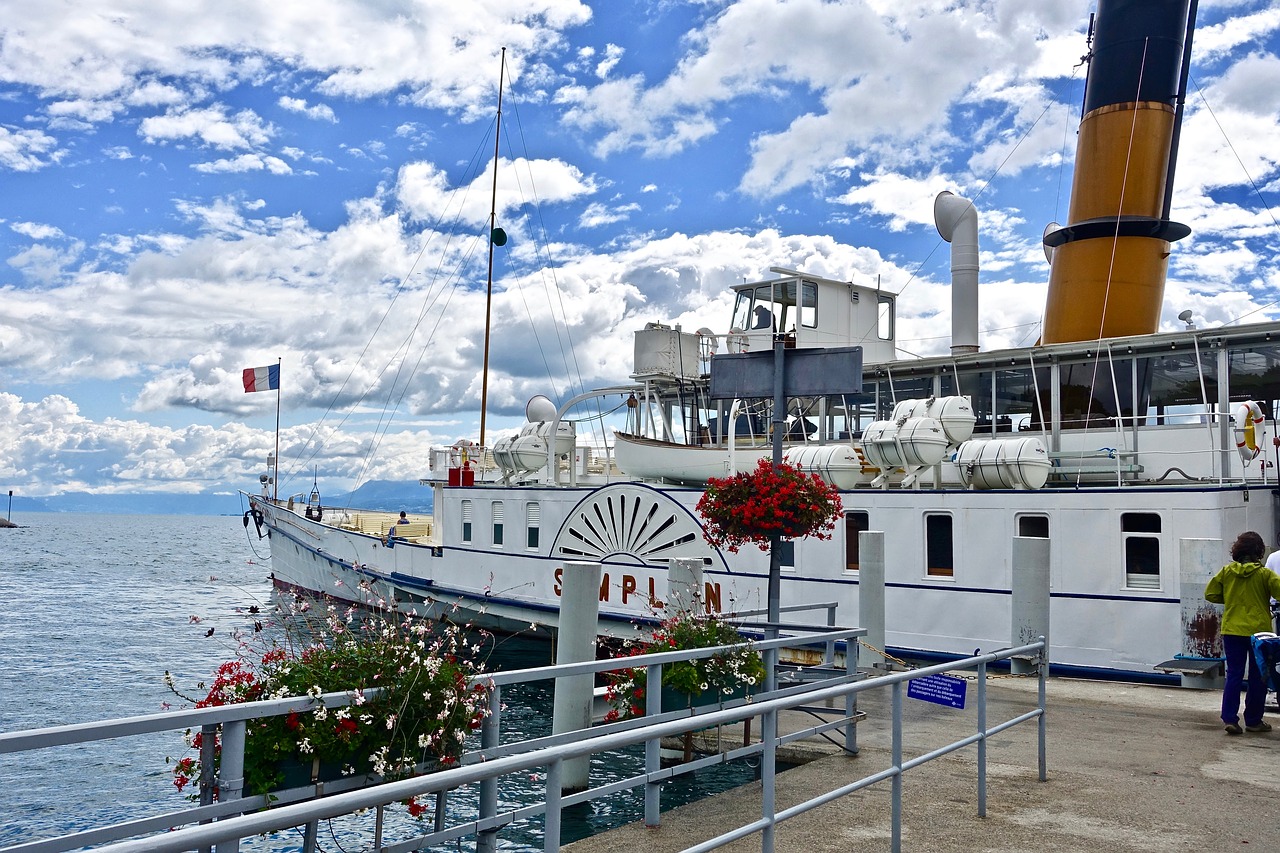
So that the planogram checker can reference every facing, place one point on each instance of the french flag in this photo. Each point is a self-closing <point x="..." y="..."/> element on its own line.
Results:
<point x="261" y="378"/>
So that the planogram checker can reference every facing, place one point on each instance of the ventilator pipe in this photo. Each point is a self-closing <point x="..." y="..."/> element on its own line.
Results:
<point x="957" y="222"/>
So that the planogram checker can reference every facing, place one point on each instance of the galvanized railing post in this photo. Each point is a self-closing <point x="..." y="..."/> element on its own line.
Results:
<point x="551" y="819"/>
<point x="768" y="775"/>
<point x="1044" y="668"/>
<point x="490" y="727"/>
<point x="208" y="747"/>
<point x="653" y="747"/>
<point x="895" y="758"/>
<point x="982" y="739"/>
<point x="829" y="657"/>
<point x="851" y="699"/>
<point x="231" y="772"/>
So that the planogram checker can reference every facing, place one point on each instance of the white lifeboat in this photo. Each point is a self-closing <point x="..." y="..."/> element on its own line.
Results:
<point x="916" y="442"/>
<point x="955" y="414"/>
<point x="526" y="451"/>
<point x="912" y="444"/>
<point x="837" y="464"/>
<point x="1003" y="463"/>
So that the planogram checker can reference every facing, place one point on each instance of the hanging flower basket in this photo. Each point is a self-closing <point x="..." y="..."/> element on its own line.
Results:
<point x="773" y="500"/>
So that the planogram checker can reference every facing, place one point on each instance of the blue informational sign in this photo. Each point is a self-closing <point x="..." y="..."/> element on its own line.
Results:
<point x="938" y="689"/>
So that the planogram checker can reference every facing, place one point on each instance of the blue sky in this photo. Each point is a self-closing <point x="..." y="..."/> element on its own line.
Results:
<point x="190" y="189"/>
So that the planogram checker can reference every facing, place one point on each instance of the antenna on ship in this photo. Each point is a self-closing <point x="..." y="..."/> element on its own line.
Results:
<point x="497" y="237"/>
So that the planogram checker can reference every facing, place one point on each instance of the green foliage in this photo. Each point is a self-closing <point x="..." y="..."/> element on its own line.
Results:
<point x="409" y="704"/>
<point x="720" y="675"/>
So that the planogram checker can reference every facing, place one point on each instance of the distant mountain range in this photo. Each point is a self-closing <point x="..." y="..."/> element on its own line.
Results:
<point x="390" y="495"/>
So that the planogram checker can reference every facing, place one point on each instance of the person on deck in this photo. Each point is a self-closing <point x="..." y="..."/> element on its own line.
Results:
<point x="1245" y="587"/>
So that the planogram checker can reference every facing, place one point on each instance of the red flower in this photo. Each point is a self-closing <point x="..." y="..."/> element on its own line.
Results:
<point x="769" y="501"/>
<point x="416" y="809"/>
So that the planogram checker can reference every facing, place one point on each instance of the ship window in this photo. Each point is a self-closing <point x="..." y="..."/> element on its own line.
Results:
<point x="1090" y="397"/>
<point x="939" y="546"/>
<point x="808" y="305"/>
<point x="1033" y="526"/>
<point x="497" y="522"/>
<point x="854" y="523"/>
<point x="532" y="517"/>
<point x="787" y="555"/>
<point x="466" y="521"/>
<point x="884" y="324"/>
<point x="1141" y="534"/>
<point x="1174" y="387"/>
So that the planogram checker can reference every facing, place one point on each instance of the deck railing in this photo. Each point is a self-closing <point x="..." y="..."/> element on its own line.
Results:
<point x="228" y="821"/>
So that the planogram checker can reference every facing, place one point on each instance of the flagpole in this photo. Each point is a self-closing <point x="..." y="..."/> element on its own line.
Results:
<point x="493" y="224"/>
<point x="275" y="468"/>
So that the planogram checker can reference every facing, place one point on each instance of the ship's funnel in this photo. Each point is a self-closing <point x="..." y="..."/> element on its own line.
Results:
<point x="1109" y="261"/>
<point x="957" y="222"/>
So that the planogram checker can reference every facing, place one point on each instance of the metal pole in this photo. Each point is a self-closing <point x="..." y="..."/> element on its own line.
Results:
<point x="768" y="776"/>
<point x="851" y="699"/>
<point x="551" y="823"/>
<point x="982" y="740"/>
<point x="493" y="224"/>
<point x="231" y="772"/>
<point x="1044" y="770"/>
<point x="653" y="747"/>
<point x="775" y="541"/>
<point x="895" y="819"/>
<point x="487" y="840"/>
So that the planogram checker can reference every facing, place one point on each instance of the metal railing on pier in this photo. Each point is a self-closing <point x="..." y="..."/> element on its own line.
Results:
<point x="223" y="824"/>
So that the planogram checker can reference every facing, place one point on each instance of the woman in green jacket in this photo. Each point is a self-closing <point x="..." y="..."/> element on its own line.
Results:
<point x="1246" y="588"/>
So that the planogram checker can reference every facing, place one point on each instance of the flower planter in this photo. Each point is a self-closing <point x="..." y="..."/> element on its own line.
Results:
<point x="674" y="699"/>
<point x="296" y="773"/>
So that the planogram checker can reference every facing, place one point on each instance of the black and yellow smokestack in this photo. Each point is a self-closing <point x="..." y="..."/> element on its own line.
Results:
<point x="1109" y="262"/>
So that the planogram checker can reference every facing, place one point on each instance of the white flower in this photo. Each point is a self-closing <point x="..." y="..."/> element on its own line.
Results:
<point x="305" y="747"/>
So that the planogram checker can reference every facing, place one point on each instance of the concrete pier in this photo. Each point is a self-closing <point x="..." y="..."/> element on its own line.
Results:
<point x="1131" y="768"/>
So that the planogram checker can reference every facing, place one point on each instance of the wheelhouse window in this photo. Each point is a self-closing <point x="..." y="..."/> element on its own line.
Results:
<point x="939" y="546"/>
<point x="854" y="523"/>
<point x="781" y="305"/>
<point x="884" y="325"/>
<point x="533" y="514"/>
<point x="1141" y="534"/>
<point x="466" y="521"/>
<point x="497" y="522"/>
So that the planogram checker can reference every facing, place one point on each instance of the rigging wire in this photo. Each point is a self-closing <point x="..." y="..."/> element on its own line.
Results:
<point x="568" y="352"/>
<point x="1257" y="191"/>
<point x="446" y="285"/>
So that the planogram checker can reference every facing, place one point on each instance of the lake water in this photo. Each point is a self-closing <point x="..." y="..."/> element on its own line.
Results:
<point x="95" y="608"/>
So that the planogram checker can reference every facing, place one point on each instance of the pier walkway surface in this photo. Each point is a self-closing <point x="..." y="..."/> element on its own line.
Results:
<point x="1130" y="768"/>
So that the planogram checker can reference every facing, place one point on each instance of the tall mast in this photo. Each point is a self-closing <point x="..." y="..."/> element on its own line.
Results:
<point x="493" y="224"/>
